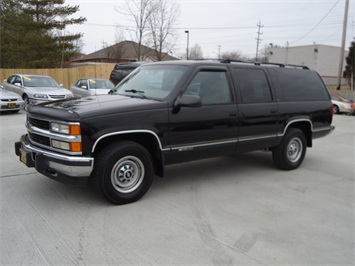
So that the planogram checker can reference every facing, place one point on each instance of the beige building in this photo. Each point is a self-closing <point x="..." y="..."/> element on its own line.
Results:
<point x="322" y="58"/>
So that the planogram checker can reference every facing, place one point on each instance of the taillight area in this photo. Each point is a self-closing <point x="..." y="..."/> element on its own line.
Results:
<point x="332" y="111"/>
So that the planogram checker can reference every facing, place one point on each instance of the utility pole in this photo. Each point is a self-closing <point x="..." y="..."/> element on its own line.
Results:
<point x="342" y="49"/>
<point x="258" y="40"/>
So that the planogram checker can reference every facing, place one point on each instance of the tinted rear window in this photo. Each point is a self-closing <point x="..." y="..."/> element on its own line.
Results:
<point x="300" y="85"/>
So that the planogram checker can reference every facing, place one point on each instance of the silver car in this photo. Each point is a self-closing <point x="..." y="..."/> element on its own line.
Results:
<point x="10" y="102"/>
<point x="36" y="88"/>
<point x="91" y="86"/>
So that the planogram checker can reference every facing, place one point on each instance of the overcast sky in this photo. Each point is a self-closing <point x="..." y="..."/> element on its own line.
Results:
<point x="228" y="25"/>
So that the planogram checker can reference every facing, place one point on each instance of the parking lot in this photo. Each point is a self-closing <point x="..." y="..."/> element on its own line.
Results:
<point x="237" y="210"/>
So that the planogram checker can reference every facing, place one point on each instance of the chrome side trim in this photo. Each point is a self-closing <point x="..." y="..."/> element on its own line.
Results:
<point x="192" y="146"/>
<point x="329" y="128"/>
<point x="325" y="128"/>
<point x="130" y="132"/>
<point x="295" y="121"/>
<point x="258" y="137"/>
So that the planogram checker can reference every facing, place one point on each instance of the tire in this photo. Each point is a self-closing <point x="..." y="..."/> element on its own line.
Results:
<point x="26" y="100"/>
<point x="335" y="109"/>
<point x="123" y="172"/>
<point x="290" y="153"/>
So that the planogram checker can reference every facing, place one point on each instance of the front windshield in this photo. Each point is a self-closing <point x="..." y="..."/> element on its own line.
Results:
<point x="32" y="81"/>
<point x="151" y="81"/>
<point x="101" y="84"/>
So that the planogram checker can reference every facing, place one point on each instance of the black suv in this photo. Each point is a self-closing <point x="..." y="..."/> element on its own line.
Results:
<point x="121" y="70"/>
<point x="171" y="112"/>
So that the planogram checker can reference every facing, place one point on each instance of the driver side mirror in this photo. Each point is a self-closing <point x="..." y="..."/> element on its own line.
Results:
<point x="187" y="100"/>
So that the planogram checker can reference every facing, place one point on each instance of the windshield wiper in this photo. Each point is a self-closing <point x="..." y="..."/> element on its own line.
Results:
<point x="141" y="93"/>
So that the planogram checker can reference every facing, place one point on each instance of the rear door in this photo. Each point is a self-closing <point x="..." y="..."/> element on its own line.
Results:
<point x="257" y="109"/>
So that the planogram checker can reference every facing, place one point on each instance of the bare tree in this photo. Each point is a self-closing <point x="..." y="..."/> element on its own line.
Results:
<point x="140" y="11"/>
<point x="232" y="55"/>
<point x="196" y="53"/>
<point x="162" y="22"/>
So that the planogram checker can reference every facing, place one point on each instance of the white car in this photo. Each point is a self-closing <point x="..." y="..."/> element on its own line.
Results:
<point x="91" y="86"/>
<point x="341" y="106"/>
<point x="10" y="102"/>
<point x="36" y="88"/>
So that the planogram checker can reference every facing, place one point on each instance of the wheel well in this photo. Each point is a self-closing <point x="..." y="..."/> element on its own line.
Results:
<point x="147" y="140"/>
<point x="305" y="126"/>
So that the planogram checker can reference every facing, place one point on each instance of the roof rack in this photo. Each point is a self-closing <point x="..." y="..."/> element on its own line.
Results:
<point x="228" y="61"/>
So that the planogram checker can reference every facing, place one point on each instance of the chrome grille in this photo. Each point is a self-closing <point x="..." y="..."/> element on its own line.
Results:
<point x="57" y="96"/>
<point x="8" y="100"/>
<point x="42" y="124"/>
<point x="40" y="139"/>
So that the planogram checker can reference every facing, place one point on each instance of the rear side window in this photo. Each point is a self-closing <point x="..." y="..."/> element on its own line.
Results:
<point x="300" y="85"/>
<point x="254" y="86"/>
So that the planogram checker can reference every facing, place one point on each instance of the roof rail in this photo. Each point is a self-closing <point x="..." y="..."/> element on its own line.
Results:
<point x="228" y="61"/>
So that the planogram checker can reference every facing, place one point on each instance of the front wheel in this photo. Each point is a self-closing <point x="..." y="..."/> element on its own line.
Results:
<point x="25" y="99"/>
<point x="290" y="153"/>
<point x="123" y="172"/>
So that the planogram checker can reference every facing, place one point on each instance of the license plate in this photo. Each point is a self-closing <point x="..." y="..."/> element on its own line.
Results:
<point x="23" y="156"/>
<point x="11" y="105"/>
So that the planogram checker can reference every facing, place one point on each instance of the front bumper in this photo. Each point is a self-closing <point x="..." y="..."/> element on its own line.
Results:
<point x="66" y="169"/>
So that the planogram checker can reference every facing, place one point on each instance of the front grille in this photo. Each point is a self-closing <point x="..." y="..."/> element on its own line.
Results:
<point x="40" y="139"/>
<point x="42" y="124"/>
<point x="57" y="96"/>
<point x="8" y="100"/>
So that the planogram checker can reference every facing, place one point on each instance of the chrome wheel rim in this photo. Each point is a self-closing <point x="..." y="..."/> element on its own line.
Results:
<point x="294" y="150"/>
<point x="127" y="174"/>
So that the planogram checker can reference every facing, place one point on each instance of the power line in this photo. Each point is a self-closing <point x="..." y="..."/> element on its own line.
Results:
<point x="300" y="38"/>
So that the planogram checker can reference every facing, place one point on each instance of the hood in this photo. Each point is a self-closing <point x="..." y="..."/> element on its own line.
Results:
<point x="4" y="93"/>
<point x="99" y="91"/>
<point x="50" y="91"/>
<point x="104" y="104"/>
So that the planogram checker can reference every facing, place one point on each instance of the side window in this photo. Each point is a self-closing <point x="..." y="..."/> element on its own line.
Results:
<point x="300" y="85"/>
<point x="211" y="86"/>
<point x="253" y="84"/>
<point x="17" y="80"/>
<point x="11" y="79"/>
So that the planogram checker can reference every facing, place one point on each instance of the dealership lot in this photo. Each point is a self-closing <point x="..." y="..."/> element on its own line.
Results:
<point x="224" y="211"/>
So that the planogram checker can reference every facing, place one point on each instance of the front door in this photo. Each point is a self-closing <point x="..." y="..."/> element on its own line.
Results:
<point x="209" y="130"/>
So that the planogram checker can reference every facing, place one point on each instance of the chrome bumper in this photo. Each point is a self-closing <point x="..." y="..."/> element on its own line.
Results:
<point x="63" y="168"/>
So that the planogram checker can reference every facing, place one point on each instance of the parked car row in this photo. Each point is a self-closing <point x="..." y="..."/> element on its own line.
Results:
<point x="18" y="90"/>
<point x="342" y="105"/>
<point x="10" y="102"/>
<point x="36" y="88"/>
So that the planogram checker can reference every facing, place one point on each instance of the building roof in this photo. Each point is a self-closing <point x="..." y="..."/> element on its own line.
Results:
<point x="124" y="51"/>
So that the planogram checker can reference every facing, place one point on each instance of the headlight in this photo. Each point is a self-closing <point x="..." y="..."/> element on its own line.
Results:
<point x="66" y="129"/>
<point x="38" y="95"/>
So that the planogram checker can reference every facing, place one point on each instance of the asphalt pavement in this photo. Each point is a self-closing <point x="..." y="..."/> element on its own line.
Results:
<point x="237" y="210"/>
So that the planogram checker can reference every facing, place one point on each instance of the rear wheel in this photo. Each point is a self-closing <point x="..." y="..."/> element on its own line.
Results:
<point x="335" y="109"/>
<point x="290" y="153"/>
<point x="123" y="172"/>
